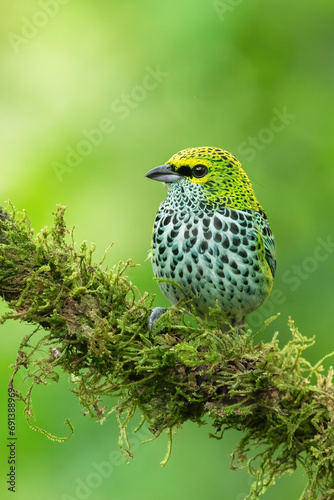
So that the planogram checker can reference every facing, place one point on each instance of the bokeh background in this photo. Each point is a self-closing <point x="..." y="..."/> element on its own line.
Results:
<point x="92" y="96"/>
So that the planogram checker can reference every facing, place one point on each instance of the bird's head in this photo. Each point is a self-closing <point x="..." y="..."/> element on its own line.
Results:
<point x="216" y="173"/>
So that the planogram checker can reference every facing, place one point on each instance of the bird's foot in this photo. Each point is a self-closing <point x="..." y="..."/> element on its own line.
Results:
<point x="155" y="315"/>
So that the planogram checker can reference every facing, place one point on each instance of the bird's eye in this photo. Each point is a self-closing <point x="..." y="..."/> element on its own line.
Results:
<point x="199" y="171"/>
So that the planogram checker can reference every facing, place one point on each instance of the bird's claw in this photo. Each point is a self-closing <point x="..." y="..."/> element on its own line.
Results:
<point x="155" y="315"/>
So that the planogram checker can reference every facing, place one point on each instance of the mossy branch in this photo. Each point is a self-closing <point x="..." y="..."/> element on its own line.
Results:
<point x="91" y="322"/>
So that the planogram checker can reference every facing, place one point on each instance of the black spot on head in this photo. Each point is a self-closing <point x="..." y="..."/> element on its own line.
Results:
<point x="184" y="170"/>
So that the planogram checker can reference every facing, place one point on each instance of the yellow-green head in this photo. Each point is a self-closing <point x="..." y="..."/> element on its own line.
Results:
<point x="217" y="174"/>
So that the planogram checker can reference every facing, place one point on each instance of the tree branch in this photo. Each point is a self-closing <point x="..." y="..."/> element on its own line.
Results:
<point x="92" y="322"/>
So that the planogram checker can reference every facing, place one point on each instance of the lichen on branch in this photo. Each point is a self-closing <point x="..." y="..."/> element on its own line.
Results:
<point x="91" y="322"/>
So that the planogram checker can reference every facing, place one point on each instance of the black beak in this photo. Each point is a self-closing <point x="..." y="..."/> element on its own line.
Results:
<point x="164" y="173"/>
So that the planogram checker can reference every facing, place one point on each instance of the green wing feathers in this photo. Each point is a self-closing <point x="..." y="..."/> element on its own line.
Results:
<point x="262" y="226"/>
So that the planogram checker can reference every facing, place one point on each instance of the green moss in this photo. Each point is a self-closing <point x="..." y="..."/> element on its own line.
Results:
<point x="91" y="323"/>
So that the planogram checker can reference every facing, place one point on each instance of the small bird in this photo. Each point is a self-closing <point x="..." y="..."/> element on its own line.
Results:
<point x="211" y="237"/>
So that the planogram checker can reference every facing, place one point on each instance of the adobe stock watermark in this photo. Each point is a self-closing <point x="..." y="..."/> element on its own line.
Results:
<point x="294" y="277"/>
<point x="101" y="471"/>
<point x="121" y="108"/>
<point x="255" y="143"/>
<point x="30" y="27"/>
<point x="222" y="7"/>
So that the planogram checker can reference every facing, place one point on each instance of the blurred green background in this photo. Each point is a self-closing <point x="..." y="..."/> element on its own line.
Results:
<point x="93" y="95"/>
